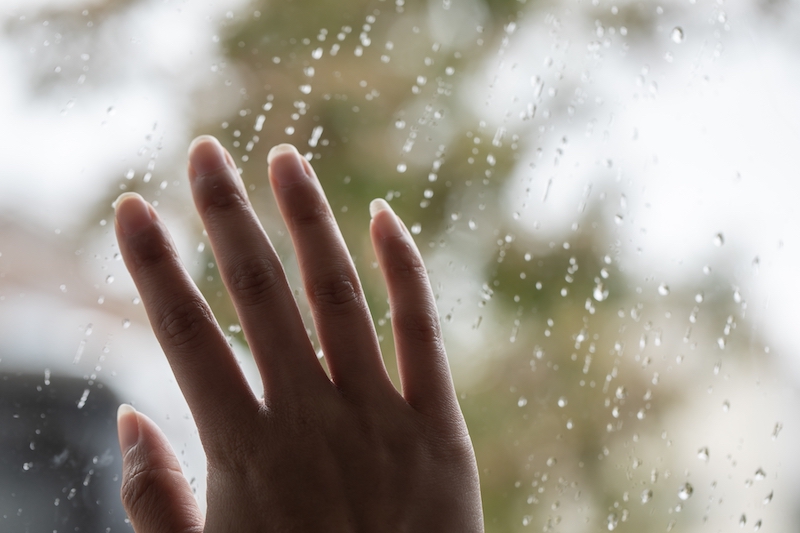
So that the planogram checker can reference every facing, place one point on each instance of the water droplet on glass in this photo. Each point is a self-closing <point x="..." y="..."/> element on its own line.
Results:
<point x="551" y="461"/>
<point x="677" y="35"/>
<point x="768" y="498"/>
<point x="726" y="406"/>
<point x="402" y="167"/>
<point x="647" y="495"/>
<point x="621" y="393"/>
<point x="757" y="526"/>
<point x="600" y="293"/>
<point x="126" y="323"/>
<point x="522" y="402"/>
<point x="721" y="342"/>
<point x="663" y="289"/>
<point x="703" y="454"/>
<point x="699" y="297"/>
<point x="27" y="466"/>
<point x="416" y="228"/>
<point x="612" y="521"/>
<point x="742" y="520"/>
<point x="83" y="399"/>
<point x="305" y="89"/>
<point x="109" y="279"/>
<point x="719" y="239"/>
<point x="562" y="402"/>
<point x="685" y="492"/>
<point x="760" y="474"/>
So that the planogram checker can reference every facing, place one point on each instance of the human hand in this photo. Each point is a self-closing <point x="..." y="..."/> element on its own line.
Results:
<point x="341" y="454"/>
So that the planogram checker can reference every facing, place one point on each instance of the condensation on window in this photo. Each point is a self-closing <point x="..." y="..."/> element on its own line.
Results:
<point x="603" y="192"/>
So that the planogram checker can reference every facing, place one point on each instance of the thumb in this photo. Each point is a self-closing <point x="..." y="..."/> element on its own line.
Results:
<point x="154" y="492"/>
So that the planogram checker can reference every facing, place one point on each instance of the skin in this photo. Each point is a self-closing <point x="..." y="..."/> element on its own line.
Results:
<point x="347" y="453"/>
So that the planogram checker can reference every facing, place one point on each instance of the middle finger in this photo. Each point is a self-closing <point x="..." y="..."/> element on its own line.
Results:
<point x="341" y="316"/>
<point x="251" y="271"/>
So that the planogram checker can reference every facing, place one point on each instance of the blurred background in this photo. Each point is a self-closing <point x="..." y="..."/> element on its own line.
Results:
<point x="604" y="192"/>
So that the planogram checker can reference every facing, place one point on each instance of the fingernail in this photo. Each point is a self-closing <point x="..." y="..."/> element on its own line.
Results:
<point x="127" y="427"/>
<point x="132" y="213"/>
<point x="388" y="225"/>
<point x="206" y="155"/>
<point x="288" y="168"/>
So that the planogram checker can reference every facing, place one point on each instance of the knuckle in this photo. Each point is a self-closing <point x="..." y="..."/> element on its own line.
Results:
<point x="150" y="248"/>
<point x="335" y="293"/>
<point x="181" y="325"/>
<point x="307" y="207"/>
<point x="405" y="263"/>
<point x="420" y="326"/>
<point x="219" y="192"/>
<point x="142" y="487"/>
<point x="254" y="279"/>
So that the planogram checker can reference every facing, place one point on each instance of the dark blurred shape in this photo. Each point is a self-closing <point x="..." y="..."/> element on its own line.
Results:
<point x="60" y="463"/>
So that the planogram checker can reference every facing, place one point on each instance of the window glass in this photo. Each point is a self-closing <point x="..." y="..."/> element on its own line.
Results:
<point x="603" y="192"/>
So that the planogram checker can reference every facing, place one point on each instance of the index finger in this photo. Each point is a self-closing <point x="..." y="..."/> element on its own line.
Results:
<point x="203" y="363"/>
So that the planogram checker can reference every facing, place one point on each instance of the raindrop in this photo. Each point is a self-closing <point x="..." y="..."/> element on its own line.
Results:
<point x="109" y="279"/>
<point x="703" y="454"/>
<point x="699" y="297"/>
<point x="719" y="239"/>
<point x="316" y="133"/>
<point x="126" y="323"/>
<point x="259" y="122"/>
<point x="27" y="466"/>
<point x="647" y="495"/>
<point x="742" y="520"/>
<point x="768" y="498"/>
<point x="551" y="461"/>
<point x="402" y="167"/>
<point x="677" y="35"/>
<point x="721" y="342"/>
<point x="600" y="293"/>
<point x="416" y="228"/>
<point x="289" y="130"/>
<point x="612" y="521"/>
<point x="726" y="406"/>
<point x="562" y="402"/>
<point x="776" y="430"/>
<point x="621" y="393"/>
<point x="305" y="89"/>
<point x="522" y="402"/>
<point x="685" y="492"/>
<point x="83" y="399"/>
<point x="757" y="526"/>
<point x="663" y="289"/>
<point x="760" y="474"/>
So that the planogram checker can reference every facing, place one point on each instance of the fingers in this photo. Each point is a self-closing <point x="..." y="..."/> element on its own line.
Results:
<point x="421" y="358"/>
<point x="198" y="353"/>
<point x="154" y="492"/>
<point x="252" y="272"/>
<point x="342" y="319"/>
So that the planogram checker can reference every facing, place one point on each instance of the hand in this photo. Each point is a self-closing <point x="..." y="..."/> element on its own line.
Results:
<point x="341" y="454"/>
